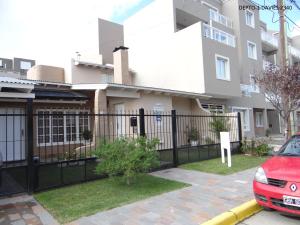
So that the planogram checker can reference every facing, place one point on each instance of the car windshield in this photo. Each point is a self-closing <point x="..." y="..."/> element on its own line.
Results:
<point x="291" y="148"/>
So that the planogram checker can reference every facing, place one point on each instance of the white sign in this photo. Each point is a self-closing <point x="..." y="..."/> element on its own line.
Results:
<point x="225" y="145"/>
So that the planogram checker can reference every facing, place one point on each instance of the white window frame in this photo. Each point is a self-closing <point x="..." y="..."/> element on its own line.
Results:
<point x="24" y="65"/>
<point x="227" y="69"/>
<point x="255" y="50"/>
<point x="65" y="112"/>
<point x="259" y="121"/>
<point x="252" y="24"/>
<point x="246" y="116"/>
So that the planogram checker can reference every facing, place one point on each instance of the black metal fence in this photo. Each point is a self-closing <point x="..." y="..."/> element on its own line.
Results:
<point x="51" y="148"/>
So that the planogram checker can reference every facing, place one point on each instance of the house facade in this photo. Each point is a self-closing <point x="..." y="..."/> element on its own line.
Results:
<point x="209" y="47"/>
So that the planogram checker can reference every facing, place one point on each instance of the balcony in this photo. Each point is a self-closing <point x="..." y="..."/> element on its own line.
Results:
<point x="247" y="89"/>
<point x="270" y="43"/>
<point x="218" y="35"/>
<point x="219" y="18"/>
<point x="266" y="64"/>
<point x="295" y="52"/>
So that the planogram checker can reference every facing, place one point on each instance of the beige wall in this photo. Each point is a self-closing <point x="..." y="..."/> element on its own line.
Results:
<point x="110" y="36"/>
<point x="46" y="73"/>
<point x="80" y="74"/>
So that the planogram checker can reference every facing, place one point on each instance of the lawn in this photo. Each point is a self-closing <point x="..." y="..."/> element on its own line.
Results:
<point x="239" y="163"/>
<point x="69" y="203"/>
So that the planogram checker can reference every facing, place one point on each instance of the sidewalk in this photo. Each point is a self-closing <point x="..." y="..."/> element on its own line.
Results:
<point x="208" y="196"/>
<point x="23" y="210"/>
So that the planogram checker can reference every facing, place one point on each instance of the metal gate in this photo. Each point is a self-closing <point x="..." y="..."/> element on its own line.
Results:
<point x="13" y="154"/>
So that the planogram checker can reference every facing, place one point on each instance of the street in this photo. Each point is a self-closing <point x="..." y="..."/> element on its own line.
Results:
<point x="273" y="217"/>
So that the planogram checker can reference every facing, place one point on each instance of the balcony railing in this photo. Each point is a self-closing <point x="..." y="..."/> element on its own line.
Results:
<point x="215" y="16"/>
<point x="294" y="51"/>
<point x="247" y="89"/>
<point x="219" y="35"/>
<point x="269" y="38"/>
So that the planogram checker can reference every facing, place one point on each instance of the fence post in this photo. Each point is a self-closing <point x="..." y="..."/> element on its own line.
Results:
<point x="142" y="122"/>
<point x="29" y="146"/>
<point x="174" y="138"/>
<point x="240" y="127"/>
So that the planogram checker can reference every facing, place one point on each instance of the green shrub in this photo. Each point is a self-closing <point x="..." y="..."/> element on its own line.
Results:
<point x="255" y="147"/>
<point x="87" y="135"/>
<point x="193" y="134"/>
<point x="219" y="124"/>
<point x="127" y="157"/>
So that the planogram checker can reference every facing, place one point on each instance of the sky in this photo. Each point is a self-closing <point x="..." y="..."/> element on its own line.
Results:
<point x="51" y="31"/>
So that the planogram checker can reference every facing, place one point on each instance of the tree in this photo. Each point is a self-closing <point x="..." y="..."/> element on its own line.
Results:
<point x="282" y="89"/>
<point x="127" y="157"/>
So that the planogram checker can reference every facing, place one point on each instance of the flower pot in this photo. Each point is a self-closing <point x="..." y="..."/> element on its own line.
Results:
<point x="194" y="143"/>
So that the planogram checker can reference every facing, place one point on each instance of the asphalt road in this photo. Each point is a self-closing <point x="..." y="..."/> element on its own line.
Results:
<point x="272" y="217"/>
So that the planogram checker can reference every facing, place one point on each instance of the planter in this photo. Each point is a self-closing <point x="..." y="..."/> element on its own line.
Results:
<point x="194" y="143"/>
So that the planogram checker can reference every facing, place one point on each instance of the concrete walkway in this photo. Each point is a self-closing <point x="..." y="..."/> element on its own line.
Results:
<point x="208" y="196"/>
<point x="23" y="210"/>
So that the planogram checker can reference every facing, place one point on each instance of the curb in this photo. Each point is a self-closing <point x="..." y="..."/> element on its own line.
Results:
<point x="236" y="214"/>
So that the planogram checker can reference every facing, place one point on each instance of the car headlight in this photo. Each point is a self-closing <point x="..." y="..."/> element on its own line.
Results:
<point x="260" y="176"/>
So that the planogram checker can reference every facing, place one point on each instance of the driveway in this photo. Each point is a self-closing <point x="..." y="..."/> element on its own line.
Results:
<point x="208" y="196"/>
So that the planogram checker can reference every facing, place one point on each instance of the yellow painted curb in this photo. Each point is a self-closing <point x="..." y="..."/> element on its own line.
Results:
<point x="235" y="215"/>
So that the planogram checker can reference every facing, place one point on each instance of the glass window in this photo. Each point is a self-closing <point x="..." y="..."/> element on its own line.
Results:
<point x="245" y="115"/>
<point x="259" y="119"/>
<point x="1" y="64"/>
<point x="71" y="126"/>
<point x="222" y="68"/>
<point x="57" y="126"/>
<point x="252" y="50"/>
<point x="253" y="84"/>
<point x="43" y="123"/>
<point x="25" y="65"/>
<point x="250" y="18"/>
<point x="291" y="148"/>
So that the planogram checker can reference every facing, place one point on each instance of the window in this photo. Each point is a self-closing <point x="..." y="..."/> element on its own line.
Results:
<point x="259" y="119"/>
<point x="1" y="64"/>
<point x="251" y="50"/>
<point x="250" y="18"/>
<point x="253" y="84"/>
<point x="245" y="115"/>
<point x="222" y="68"/>
<point x="25" y="65"/>
<point x="59" y="126"/>
<point x="216" y="109"/>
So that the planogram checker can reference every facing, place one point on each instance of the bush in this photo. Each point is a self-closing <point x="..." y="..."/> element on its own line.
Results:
<point x="193" y="134"/>
<point x="127" y="157"/>
<point x="256" y="147"/>
<point x="87" y="135"/>
<point x="218" y="125"/>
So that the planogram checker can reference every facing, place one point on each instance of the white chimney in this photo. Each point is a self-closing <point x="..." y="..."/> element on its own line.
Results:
<point x="121" y="68"/>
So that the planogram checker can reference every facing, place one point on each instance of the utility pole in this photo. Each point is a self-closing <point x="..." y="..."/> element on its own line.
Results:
<point x="283" y="51"/>
<point x="282" y="34"/>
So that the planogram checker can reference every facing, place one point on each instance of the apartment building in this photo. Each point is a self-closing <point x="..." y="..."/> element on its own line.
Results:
<point x="16" y="67"/>
<point x="209" y="47"/>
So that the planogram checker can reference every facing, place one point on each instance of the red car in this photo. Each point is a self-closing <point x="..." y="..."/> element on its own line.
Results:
<point x="277" y="182"/>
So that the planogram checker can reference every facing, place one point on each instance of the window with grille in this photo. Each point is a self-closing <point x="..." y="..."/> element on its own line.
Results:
<point x="61" y="126"/>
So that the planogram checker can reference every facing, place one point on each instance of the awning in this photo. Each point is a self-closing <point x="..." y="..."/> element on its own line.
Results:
<point x="59" y="94"/>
